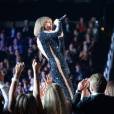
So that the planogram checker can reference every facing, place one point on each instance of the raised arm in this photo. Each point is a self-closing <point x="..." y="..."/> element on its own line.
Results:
<point x="18" y="69"/>
<point x="4" y="90"/>
<point x="81" y="91"/>
<point x="36" y="85"/>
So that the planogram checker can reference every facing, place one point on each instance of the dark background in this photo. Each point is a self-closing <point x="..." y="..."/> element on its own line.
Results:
<point x="32" y="9"/>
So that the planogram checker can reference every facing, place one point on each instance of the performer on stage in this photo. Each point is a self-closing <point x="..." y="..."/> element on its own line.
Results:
<point x="50" y="45"/>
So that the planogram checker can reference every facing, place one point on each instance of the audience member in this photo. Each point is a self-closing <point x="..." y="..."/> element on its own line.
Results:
<point x="95" y="103"/>
<point x="55" y="101"/>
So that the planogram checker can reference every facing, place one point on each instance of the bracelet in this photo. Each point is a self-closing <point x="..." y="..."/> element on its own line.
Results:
<point x="15" y="79"/>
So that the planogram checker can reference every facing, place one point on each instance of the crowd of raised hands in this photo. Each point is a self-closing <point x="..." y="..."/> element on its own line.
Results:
<point x="10" y="95"/>
<point x="48" y="97"/>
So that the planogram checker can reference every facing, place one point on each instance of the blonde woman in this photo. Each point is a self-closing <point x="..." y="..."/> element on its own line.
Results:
<point x="49" y="44"/>
<point x="55" y="101"/>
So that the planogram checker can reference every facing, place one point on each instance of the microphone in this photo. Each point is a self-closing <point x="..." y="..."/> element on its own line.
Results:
<point x="63" y="17"/>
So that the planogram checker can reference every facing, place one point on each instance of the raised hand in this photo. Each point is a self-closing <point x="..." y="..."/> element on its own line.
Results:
<point x="83" y="84"/>
<point x="18" y="69"/>
<point x="36" y="66"/>
<point x="56" y="22"/>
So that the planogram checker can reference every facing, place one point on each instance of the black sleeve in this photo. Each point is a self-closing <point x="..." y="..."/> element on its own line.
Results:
<point x="78" y="105"/>
<point x="76" y="99"/>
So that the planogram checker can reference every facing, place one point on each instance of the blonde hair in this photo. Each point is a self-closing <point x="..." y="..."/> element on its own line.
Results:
<point x="98" y="81"/>
<point x="54" y="100"/>
<point x="39" y="25"/>
<point x="26" y="104"/>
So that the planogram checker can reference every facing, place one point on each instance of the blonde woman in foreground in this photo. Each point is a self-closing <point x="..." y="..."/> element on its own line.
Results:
<point x="55" y="102"/>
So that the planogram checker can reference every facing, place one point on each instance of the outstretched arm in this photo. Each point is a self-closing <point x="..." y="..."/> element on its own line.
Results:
<point x="18" y="69"/>
<point x="36" y="85"/>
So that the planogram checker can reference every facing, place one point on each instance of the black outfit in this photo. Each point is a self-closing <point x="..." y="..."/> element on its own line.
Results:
<point x="94" y="104"/>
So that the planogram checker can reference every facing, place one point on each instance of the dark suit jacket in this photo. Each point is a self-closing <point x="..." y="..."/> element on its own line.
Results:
<point x="94" y="104"/>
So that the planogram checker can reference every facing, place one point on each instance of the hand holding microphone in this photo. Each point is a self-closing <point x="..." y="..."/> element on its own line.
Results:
<point x="56" y="22"/>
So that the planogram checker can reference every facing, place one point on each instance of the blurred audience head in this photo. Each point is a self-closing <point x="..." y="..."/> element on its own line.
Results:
<point x="97" y="83"/>
<point x="110" y="88"/>
<point x="26" y="104"/>
<point x="54" y="100"/>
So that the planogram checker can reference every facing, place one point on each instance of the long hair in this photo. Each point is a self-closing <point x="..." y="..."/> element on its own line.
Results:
<point x="54" y="100"/>
<point x="39" y="25"/>
<point x="27" y="104"/>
